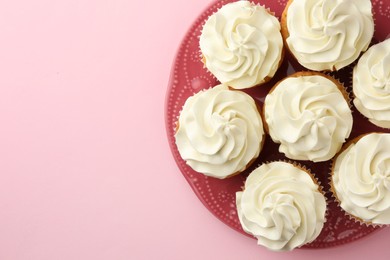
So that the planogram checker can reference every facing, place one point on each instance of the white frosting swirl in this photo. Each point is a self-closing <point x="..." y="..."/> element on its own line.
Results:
<point x="309" y="117"/>
<point x="281" y="206"/>
<point x="220" y="131"/>
<point x="329" y="34"/>
<point x="242" y="44"/>
<point x="371" y="84"/>
<point x="361" y="178"/>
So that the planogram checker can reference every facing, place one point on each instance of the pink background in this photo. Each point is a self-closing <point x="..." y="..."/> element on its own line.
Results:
<point x="85" y="167"/>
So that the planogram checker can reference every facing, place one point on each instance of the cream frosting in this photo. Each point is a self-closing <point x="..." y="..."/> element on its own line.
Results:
<point x="309" y="117"/>
<point x="371" y="84"/>
<point x="220" y="131"/>
<point x="329" y="34"/>
<point x="242" y="44"/>
<point x="361" y="178"/>
<point x="281" y="206"/>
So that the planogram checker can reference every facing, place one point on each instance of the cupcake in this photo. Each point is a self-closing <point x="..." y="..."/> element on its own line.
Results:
<point x="241" y="44"/>
<point x="309" y="115"/>
<point x="327" y="35"/>
<point x="282" y="206"/>
<point x="371" y="84"/>
<point x="219" y="132"/>
<point x="360" y="178"/>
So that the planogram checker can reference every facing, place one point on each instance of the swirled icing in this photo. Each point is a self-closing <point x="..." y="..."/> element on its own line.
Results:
<point x="281" y="206"/>
<point x="361" y="178"/>
<point x="309" y="117"/>
<point x="328" y="34"/>
<point x="220" y="131"/>
<point x="371" y="84"/>
<point x="241" y="44"/>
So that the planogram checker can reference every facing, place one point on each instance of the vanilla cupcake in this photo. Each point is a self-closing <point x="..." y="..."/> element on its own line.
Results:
<point x="241" y="44"/>
<point x="282" y="206"/>
<point x="361" y="178"/>
<point x="308" y="114"/>
<point x="371" y="84"/>
<point x="219" y="132"/>
<point x="327" y="35"/>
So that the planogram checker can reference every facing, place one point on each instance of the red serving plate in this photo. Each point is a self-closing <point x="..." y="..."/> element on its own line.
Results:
<point x="188" y="76"/>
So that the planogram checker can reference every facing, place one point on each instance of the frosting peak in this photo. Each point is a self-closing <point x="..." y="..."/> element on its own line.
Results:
<point x="328" y="34"/>
<point x="281" y="206"/>
<point x="220" y="131"/>
<point x="241" y="44"/>
<point x="361" y="178"/>
<point x="371" y="84"/>
<point x="308" y="116"/>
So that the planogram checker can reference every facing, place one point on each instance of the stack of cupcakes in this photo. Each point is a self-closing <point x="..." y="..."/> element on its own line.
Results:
<point x="221" y="130"/>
